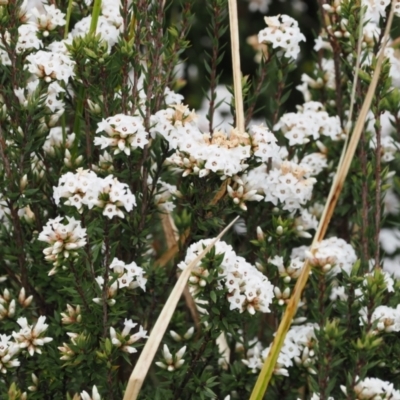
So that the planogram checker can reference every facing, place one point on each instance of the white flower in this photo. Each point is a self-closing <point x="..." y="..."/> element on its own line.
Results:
<point x="49" y="21"/>
<point x="63" y="239"/>
<point x="130" y="275"/>
<point x="124" y="340"/>
<point x="30" y="337"/>
<point x="282" y="32"/>
<point x="125" y="133"/>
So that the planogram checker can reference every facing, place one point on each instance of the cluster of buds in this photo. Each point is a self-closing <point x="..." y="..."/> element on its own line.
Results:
<point x="179" y="338"/>
<point x="199" y="277"/>
<point x="288" y="273"/>
<point x="188" y="163"/>
<point x="240" y="193"/>
<point x="124" y="340"/>
<point x="86" y="396"/>
<point x="7" y="305"/>
<point x="325" y="263"/>
<point x="72" y="316"/>
<point x="306" y="359"/>
<point x="35" y="383"/>
<point x="110" y="294"/>
<point x="171" y="363"/>
<point x="23" y="300"/>
<point x="78" y="341"/>
<point x="71" y="162"/>
<point x="37" y="166"/>
<point x="282" y="297"/>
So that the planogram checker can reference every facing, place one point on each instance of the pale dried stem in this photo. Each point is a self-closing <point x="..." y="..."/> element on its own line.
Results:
<point x="337" y="185"/>
<point x="237" y="74"/>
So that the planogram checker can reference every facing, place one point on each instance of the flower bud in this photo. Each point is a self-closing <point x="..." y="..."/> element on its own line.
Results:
<point x="23" y="182"/>
<point x="189" y="333"/>
<point x="175" y="336"/>
<point x="260" y="234"/>
<point x="287" y="279"/>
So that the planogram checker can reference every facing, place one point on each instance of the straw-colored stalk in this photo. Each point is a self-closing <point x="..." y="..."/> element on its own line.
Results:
<point x="171" y="239"/>
<point x="337" y="185"/>
<point x="237" y="74"/>
<point x="147" y="355"/>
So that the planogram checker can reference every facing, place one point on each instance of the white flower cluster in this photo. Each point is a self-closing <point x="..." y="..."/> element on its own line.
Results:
<point x="125" y="133"/>
<point x="49" y="21"/>
<point x="129" y="276"/>
<point x="63" y="240"/>
<point x="289" y="184"/>
<point x="124" y="340"/>
<point x="310" y="120"/>
<point x="282" y="32"/>
<point x="248" y="289"/>
<point x="29" y="338"/>
<point x="50" y="66"/>
<point x="333" y="255"/>
<point x="386" y="318"/>
<point x="297" y="349"/>
<point x="85" y="188"/>
<point x="109" y="26"/>
<point x="8" y="352"/>
<point x="286" y="184"/>
<point x="27" y="40"/>
<point x="374" y="388"/>
<point x="264" y="145"/>
<point x="198" y="153"/>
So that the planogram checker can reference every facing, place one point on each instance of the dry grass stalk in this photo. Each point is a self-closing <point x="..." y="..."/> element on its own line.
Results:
<point x="147" y="355"/>
<point x="337" y="185"/>
<point x="237" y="74"/>
<point x="170" y="231"/>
